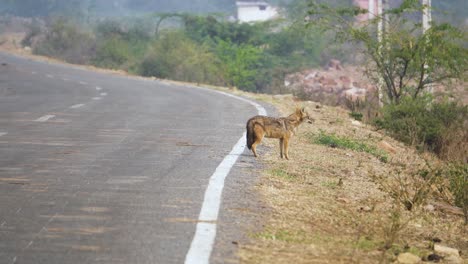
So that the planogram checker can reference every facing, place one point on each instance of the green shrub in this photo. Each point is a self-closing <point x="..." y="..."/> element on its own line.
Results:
<point x="34" y="30"/>
<point x="177" y="57"/>
<point x="458" y="176"/>
<point x="335" y="141"/>
<point x="112" y="53"/>
<point x="65" y="40"/>
<point x="356" y="115"/>
<point x="423" y="122"/>
<point x="241" y="64"/>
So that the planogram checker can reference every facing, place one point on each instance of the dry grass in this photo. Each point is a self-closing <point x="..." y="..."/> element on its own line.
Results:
<point x="334" y="205"/>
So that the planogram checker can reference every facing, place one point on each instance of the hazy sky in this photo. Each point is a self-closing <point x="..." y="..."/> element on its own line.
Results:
<point x="45" y="7"/>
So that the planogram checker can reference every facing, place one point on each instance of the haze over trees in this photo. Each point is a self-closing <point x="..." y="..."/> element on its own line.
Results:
<point x="162" y="39"/>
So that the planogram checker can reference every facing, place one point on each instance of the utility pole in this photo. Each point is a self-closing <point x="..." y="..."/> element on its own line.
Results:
<point x="427" y="16"/>
<point x="426" y="24"/>
<point x="371" y="8"/>
<point x="380" y="83"/>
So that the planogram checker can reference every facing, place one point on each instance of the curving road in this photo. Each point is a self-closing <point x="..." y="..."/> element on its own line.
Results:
<point x="100" y="168"/>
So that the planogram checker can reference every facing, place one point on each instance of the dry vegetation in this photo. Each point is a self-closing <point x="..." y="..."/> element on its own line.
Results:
<point x="338" y="205"/>
<point x="334" y="205"/>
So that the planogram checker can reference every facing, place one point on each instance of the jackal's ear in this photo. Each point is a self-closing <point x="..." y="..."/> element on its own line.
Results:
<point x="303" y="110"/>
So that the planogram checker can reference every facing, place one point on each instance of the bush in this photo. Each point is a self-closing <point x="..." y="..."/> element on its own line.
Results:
<point x="458" y="176"/>
<point x="34" y="30"/>
<point x="335" y="141"/>
<point x="64" y="40"/>
<point x="121" y="45"/>
<point x="177" y="57"/>
<point x="112" y="53"/>
<point x="424" y="123"/>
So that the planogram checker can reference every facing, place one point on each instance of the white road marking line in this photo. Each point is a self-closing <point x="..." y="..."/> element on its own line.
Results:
<point x="50" y="76"/>
<point x="3" y="133"/>
<point x="98" y="88"/>
<point x="34" y="72"/>
<point x="96" y="98"/>
<point x="83" y="83"/>
<point x="65" y="79"/>
<point x="76" y="106"/>
<point x="103" y="94"/>
<point x="44" y="118"/>
<point x="205" y="234"/>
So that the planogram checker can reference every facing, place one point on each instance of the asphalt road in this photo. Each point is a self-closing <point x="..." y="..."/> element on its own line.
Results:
<point x="102" y="168"/>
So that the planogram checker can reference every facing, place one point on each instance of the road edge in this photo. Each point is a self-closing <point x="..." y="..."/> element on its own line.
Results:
<point x="203" y="241"/>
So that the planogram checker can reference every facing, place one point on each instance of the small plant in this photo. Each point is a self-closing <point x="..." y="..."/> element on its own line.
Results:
<point x="412" y="186"/>
<point x="458" y="176"/>
<point x="330" y="184"/>
<point x="356" y="115"/>
<point x="335" y="141"/>
<point x="280" y="173"/>
<point x="298" y="236"/>
<point x="366" y="243"/>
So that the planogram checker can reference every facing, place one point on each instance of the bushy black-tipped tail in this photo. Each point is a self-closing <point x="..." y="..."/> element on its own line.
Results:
<point x="250" y="133"/>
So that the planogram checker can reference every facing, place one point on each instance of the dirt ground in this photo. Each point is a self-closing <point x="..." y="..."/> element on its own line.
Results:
<point x="333" y="205"/>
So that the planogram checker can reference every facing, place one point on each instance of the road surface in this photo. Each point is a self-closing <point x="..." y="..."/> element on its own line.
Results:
<point x="102" y="168"/>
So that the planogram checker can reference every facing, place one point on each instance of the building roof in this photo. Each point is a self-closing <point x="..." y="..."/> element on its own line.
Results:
<point x="251" y="3"/>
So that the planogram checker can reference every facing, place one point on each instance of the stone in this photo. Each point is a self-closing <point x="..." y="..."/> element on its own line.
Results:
<point x="343" y="200"/>
<point x="334" y="64"/>
<point x="365" y="208"/>
<point x="446" y="251"/>
<point x="452" y="259"/>
<point x="356" y="123"/>
<point x="408" y="258"/>
<point x="386" y="146"/>
<point x="429" y="208"/>
<point x="434" y="258"/>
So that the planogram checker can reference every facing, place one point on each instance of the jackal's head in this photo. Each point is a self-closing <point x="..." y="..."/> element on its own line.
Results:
<point x="304" y="115"/>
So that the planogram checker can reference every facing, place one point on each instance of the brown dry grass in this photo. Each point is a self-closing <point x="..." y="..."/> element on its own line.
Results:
<point x="332" y="205"/>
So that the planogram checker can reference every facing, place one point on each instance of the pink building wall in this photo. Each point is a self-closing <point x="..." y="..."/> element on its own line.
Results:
<point x="364" y="4"/>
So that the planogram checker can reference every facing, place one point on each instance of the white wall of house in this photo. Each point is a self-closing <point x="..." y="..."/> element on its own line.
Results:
<point x="255" y="11"/>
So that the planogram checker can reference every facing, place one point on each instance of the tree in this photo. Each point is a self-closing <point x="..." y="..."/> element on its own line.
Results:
<point x="408" y="59"/>
<point x="241" y="64"/>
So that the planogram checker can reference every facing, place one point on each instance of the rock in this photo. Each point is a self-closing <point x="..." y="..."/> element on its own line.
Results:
<point x="356" y="123"/>
<point x="343" y="200"/>
<point x="327" y="81"/>
<point x="365" y="208"/>
<point x="386" y="146"/>
<point x="334" y="64"/>
<point x="408" y="258"/>
<point x="434" y="258"/>
<point x="446" y="251"/>
<point x="452" y="259"/>
<point x="429" y="208"/>
<point x="447" y="208"/>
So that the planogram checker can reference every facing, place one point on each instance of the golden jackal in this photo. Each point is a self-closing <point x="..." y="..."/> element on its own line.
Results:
<point x="282" y="128"/>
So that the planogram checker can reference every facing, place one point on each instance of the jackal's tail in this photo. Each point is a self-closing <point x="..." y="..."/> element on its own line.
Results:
<point x="250" y="133"/>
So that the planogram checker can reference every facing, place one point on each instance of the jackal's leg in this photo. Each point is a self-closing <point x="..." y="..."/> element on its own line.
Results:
<point x="286" y="147"/>
<point x="281" y="142"/>
<point x="258" y="132"/>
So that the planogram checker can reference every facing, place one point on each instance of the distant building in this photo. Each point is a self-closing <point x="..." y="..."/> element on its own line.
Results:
<point x="254" y="11"/>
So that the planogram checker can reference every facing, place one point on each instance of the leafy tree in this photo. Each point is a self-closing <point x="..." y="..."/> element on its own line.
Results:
<point x="177" y="57"/>
<point x="241" y="63"/>
<point x="408" y="60"/>
<point x="65" y="40"/>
